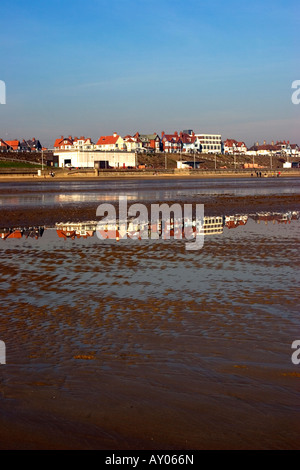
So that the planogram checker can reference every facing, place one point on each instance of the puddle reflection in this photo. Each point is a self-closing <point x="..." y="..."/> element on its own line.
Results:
<point x="173" y="228"/>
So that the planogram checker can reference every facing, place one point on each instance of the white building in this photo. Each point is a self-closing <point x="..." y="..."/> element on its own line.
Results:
<point x="232" y="146"/>
<point x="208" y="143"/>
<point x="95" y="159"/>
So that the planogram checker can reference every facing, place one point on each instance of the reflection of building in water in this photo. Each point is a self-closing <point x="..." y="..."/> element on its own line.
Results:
<point x="212" y="225"/>
<point x="281" y="218"/>
<point x="75" y="230"/>
<point x="135" y="229"/>
<point x="165" y="229"/>
<point x="29" y="232"/>
<point x="234" y="221"/>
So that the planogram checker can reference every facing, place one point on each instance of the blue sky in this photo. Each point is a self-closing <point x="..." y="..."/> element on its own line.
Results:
<point x="95" y="67"/>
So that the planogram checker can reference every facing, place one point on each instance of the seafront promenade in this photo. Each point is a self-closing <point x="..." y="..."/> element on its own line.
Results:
<point x="58" y="173"/>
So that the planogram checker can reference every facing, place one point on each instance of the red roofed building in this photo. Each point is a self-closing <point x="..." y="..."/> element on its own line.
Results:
<point x="64" y="143"/>
<point x="4" y="146"/>
<point x="171" y="143"/>
<point x="14" y="144"/>
<point x="132" y="143"/>
<point x="110" y="142"/>
<point x="232" y="146"/>
<point x="83" y="143"/>
<point x="70" y="143"/>
<point x="188" y="142"/>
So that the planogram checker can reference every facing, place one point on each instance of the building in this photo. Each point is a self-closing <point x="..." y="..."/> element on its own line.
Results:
<point x="150" y="142"/>
<point x="188" y="140"/>
<point x="110" y="142"/>
<point x="208" y="143"/>
<point x="132" y="143"/>
<point x="68" y="143"/>
<point x="265" y="149"/>
<point x="295" y="151"/>
<point x="13" y="145"/>
<point x="32" y="145"/>
<point x="4" y="147"/>
<point x="171" y="143"/>
<point x="94" y="158"/>
<point x="232" y="146"/>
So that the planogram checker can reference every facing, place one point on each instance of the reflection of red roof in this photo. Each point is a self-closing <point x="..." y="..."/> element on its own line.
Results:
<point x="108" y="140"/>
<point x="15" y="234"/>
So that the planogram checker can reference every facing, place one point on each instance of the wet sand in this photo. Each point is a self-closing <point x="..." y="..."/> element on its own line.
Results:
<point x="125" y="346"/>
<point x="214" y="205"/>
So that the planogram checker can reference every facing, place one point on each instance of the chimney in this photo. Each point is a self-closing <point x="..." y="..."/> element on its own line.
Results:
<point x="115" y="134"/>
<point x="257" y="144"/>
<point x="175" y="133"/>
<point x="162" y="134"/>
<point x="272" y="142"/>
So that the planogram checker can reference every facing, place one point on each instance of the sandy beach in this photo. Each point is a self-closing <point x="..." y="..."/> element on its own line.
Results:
<point x="146" y="345"/>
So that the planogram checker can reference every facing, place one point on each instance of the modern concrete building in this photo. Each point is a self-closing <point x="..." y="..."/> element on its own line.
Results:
<point x="95" y="159"/>
<point x="208" y="143"/>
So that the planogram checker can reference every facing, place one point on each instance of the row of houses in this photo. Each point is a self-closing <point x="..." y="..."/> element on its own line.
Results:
<point x="283" y="148"/>
<point x="32" y="145"/>
<point x="179" y="142"/>
<point x="186" y="142"/>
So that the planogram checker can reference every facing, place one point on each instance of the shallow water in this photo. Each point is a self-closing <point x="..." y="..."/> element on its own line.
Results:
<point x="144" y="344"/>
<point x="70" y="192"/>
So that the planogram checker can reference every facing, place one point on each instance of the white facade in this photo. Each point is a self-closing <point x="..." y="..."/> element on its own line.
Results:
<point x="208" y="143"/>
<point x="87" y="159"/>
